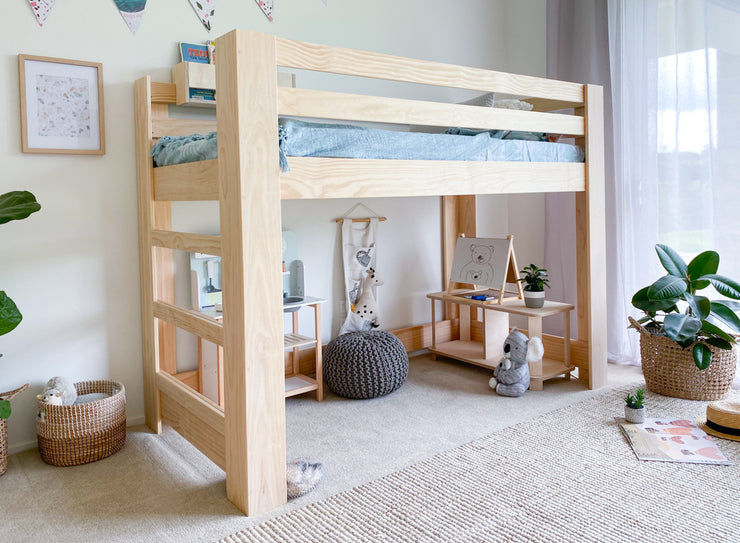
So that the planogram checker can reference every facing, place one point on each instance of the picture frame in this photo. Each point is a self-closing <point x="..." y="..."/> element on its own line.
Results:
<point x="62" y="106"/>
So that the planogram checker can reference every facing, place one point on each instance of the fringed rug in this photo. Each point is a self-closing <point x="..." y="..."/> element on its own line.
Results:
<point x="567" y="476"/>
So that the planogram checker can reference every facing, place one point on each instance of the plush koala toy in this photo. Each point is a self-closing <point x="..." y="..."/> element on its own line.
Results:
<point x="58" y="391"/>
<point x="511" y="376"/>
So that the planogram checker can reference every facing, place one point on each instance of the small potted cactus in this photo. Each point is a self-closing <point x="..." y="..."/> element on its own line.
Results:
<point x="634" y="409"/>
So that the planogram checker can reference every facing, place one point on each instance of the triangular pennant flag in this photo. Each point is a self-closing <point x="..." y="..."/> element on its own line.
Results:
<point x="204" y="9"/>
<point x="41" y="9"/>
<point x="132" y="12"/>
<point x="266" y="7"/>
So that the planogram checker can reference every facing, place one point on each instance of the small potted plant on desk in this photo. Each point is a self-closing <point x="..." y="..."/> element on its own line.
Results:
<point x="686" y="340"/>
<point x="535" y="280"/>
<point x="634" y="410"/>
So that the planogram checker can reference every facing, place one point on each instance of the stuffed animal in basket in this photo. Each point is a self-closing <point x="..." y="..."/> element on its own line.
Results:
<point x="58" y="391"/>
<point x="511" y="376"/>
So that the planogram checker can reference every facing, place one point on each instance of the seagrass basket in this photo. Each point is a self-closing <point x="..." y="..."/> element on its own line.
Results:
<point x="4" y="429"/>
<point x="670" y="370"/>
<point x="69" y="435"/>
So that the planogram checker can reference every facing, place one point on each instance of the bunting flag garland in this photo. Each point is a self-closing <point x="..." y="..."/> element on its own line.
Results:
<point x="132" y="12"/>
<point x="204" y="9"/>
<point x="266" y="7"/>
<point x="41" y="9"/>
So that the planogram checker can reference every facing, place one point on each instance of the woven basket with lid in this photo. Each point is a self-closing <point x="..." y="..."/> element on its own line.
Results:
<point x="670" y="370"/>
<point x="69" y="435"/>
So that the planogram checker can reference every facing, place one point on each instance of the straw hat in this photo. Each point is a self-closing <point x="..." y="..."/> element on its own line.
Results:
<point x="723" y="419"/>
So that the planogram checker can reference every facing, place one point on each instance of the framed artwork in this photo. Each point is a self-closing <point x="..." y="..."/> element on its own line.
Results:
<point x="61" y="106"/>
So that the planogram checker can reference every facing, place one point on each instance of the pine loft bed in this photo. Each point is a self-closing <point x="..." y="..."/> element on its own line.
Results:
<point x="246" y="437"/>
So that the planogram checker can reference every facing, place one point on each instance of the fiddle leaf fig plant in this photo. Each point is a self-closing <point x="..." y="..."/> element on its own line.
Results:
<point x="14" y="206"/>
<point x="700" y="322"/>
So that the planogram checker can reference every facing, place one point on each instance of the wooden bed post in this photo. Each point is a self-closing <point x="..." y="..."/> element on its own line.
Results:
<point x="248" y="173"/>
<point x="591" y="241"/>
<point x="459" y="216"/>
<point x="156" y="263"/>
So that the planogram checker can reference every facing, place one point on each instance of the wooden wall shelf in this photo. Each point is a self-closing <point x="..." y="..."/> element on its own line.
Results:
<point x="196" y="75"/>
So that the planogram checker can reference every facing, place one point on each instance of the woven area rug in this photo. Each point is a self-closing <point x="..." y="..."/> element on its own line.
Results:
<point x="567" y="476"/>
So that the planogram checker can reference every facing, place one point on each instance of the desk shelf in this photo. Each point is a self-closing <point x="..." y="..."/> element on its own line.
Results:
<point x="298" y="383"/>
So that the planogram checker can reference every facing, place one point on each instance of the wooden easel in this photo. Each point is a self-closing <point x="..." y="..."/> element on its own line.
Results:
<point x="512" y="276"/>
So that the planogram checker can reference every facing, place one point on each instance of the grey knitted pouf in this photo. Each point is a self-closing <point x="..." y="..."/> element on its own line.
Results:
<point x="365" y="364"/>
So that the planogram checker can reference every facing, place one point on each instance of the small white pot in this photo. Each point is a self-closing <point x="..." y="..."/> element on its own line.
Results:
<point x="636" y="416"/>
<point x="534" y="299"/>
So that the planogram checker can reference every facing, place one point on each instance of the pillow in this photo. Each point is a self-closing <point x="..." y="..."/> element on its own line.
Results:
<point x="513" y="103"/>
<point x="484" y="100"/>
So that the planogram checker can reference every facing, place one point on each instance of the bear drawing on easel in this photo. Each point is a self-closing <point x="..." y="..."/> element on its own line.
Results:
<point x="479" y="270"/>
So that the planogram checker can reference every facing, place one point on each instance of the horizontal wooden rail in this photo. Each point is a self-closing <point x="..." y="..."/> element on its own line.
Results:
<point x="356" y="107"/>
<point x="312" y="177"/>
<point x="181" y="127"/>
<point x="323" y="58"/>
<point x="189" y="182"/>
<point x="190" y="321"/>
<point x="182" y="241"/>
<point x="194" y="416"/>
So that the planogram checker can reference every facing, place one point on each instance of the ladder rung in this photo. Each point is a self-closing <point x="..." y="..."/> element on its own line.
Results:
<point x="194" y="243"/>
<point x="190" y="321"/>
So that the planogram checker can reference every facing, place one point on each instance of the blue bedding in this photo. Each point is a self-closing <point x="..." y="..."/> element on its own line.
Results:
<point x="300" y="138"/>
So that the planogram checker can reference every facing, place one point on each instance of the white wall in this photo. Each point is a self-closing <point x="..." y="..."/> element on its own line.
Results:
<point x="73" y="267"/>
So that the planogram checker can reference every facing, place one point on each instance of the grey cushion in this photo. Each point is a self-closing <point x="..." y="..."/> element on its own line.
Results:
<point x="365" y="365"/>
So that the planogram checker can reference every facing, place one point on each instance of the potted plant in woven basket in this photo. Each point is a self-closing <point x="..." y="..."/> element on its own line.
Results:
<point x="535" y="280"/>
<point x="14" y="205"/>
<point x="686" y="339"/>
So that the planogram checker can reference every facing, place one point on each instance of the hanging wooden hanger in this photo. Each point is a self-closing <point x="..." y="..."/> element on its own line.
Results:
<point x="363" y="219"/>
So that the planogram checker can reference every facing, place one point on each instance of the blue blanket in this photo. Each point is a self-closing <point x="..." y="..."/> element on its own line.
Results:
<point x="299" y="138"/>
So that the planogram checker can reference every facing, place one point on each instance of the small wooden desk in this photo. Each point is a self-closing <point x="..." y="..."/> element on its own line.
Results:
<point x="488" y="351"/>
<point x="210" y="356"/>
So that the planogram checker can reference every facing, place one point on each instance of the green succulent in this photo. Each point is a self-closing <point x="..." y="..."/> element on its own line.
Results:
<point x="701" y="322"/>
<point x="635" y="401"/>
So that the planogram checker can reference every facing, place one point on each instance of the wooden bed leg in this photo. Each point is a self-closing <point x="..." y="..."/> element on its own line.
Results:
<point x="248" y="173"/>
<point x="591" y="242"/>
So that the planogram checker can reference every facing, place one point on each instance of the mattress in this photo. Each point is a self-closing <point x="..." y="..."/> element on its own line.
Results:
<point x="307" y="139"/>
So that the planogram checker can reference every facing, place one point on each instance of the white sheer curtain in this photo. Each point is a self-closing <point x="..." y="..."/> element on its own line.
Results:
<point x="675" y="75"/>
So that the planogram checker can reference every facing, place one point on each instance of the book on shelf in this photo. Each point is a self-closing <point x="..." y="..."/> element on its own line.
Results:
<point x="204" y="95"/>
<point x="194" y="52"/>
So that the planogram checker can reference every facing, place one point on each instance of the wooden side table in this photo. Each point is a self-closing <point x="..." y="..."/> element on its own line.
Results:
<point x="489" y="351"/>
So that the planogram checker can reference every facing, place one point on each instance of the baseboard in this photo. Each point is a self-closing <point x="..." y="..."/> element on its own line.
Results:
<point x="28" y="445"/>
<point x="20" y="447"/>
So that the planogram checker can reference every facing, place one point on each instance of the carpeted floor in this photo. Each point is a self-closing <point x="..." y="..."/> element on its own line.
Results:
<point x="159" y="488"/>
<point x="567" y="476"/>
